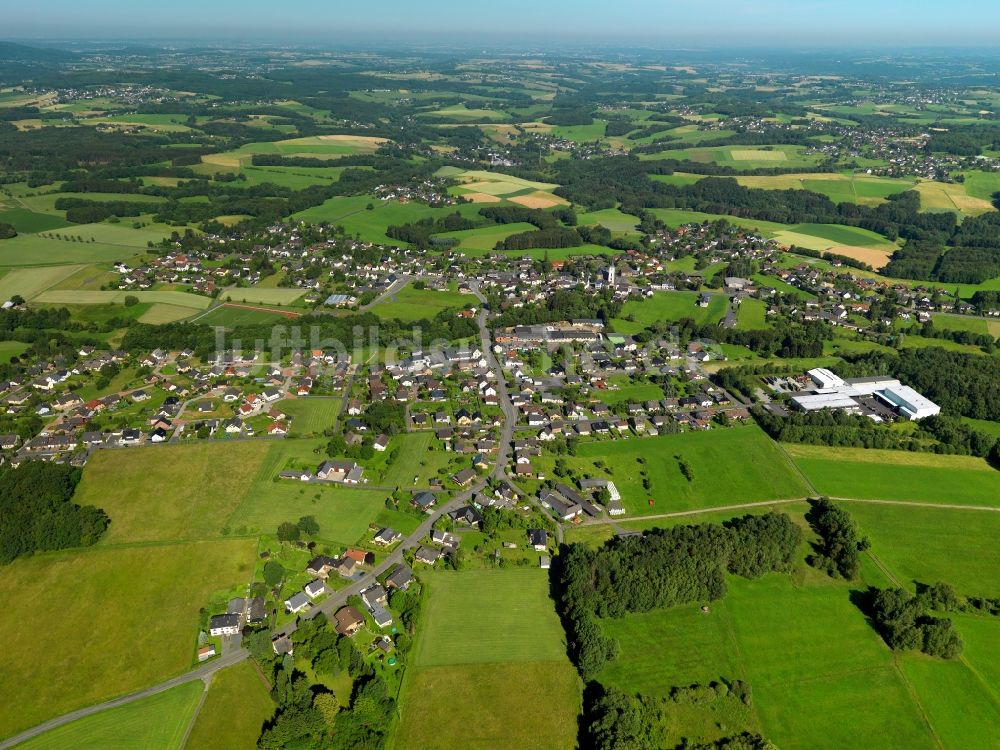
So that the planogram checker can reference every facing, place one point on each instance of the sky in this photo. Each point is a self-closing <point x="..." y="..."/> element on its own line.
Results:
<point x="751" y="23"/>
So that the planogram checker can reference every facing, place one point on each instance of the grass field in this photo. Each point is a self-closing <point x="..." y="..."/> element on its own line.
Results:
<point x="90" y="297"/>
<point x="941" y="196"/>
<point x="667" y="306"/>
<point x="263" y="296"/>
<point x="233" y="315"/>
<point x="731" y="465"/>
<point x="934" y="544"/>
<point x="898" y="475"/>
<point x="159" y="722"/>
<point x="10" y="349"/>
<point x="409" y="304"/>
<point x="489" y="616"/>
<point x="485" y="238"/>
<point x="742" y="157"/>
<point x="237" y="705"/>
<point x="492" y="637"/>
<point x="30" y="282"/>
<point x="311" y="415"/>
<point x="26" y="221"/>
<point x="160" y="313"/>
<point x="138" y="606"/>
<point x="343" y="514"/>
<point x="611" y="218"/>
<point x="35" y="250"/>
<point x="839" y="188"/>
<point x="148" y="499"/>
<point x="751" y="315"/>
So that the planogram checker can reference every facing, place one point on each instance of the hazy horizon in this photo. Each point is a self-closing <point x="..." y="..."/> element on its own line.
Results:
<point x="753" y="25"/>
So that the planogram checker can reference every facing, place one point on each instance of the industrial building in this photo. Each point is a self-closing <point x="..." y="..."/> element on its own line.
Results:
<point x="868" y="396"/>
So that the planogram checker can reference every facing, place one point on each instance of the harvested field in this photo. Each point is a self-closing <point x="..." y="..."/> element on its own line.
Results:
<point x="481" y="198"/>
<point x="538" y="200"/>
<point x="873" y="256"/>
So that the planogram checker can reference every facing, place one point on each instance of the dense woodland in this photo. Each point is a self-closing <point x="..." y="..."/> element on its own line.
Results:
<point x="38" y="512"/>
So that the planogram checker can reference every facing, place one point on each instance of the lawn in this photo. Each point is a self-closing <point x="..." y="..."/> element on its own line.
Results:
<point x="169" y="492"/>
<point x="934" y="544"/>
<point x="729" y="466"/>
<point x="493" y="638"/>
<point x="137" y="605"/>
<point x="409" y="304"/>
<point x="669" y="306"/>
<point x="898" y="475"/>
<point x="157" y="722"/>
<point x="237" y="705"/>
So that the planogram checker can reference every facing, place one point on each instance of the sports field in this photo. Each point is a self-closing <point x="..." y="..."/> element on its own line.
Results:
<point x="148" y="499"/>
<point x="898" y="475"/>
<point x="729" y="465"/>
<point x="492" y="637"/>
<point x="668" y="306"/>
<point x="138" y="606"/>
<point x="159" y="722"/>
<point x="236" y="707"/>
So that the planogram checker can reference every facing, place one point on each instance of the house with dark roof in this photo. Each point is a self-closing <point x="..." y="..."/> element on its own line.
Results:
<point x="348" y="621"/>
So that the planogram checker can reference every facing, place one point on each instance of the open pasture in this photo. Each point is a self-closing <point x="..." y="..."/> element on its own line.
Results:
<point x="30" y="282"/>
<point x="312" y="414"/>
<point x="36" y="250"/>
<point x="493" y="637"/>
<point x="898" y="475"/>
<point x="92" y="297"/>
<point x="263" y="295"/>
<point x="934" y="544"/>
<point x="29" y="222"/>
<point x="236" y="707"/>
<point x="731" y="465"/>
<point x="239" y="315"/>
<point x="160" y="313"/>
<point x="484" y="239"/>
<point x="409" y="304"/>
<point x="158" y="721"/>
<point x="147" y="597"/>
<point x="148" y="500"/>
<point x="838" y="187"/>
<point x="941" y="196"/>
<point x="669" y="306"/>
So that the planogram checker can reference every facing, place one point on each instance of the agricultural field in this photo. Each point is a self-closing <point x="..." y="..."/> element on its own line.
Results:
<point x="751" y="315"/>
<point x="30" y="282"/>
<point x="263" y="296"/>
<point x="237" y="705"/>
<point x="148" y="500"/>
<point x="729" y="465"/>
<point x="114" y="590"/>
<point x="409" y="304"/>
<point x="838" y="187"/>
<point x="484" y="239"/>
<point x="779" y="637"/>
<point x="610" y="218"/>
<point x="948" y="322"/>
<point x="941" y="196"/>
<point x="934" y="544"/>
<point x="229" y="316"/>
<point x="26" y="221"/>
<point x="493" y="637"/>
<point x="669" y="306"/>
<point x="492" y="187"/>
<point x="742" y="157"/>
<point x="159" y="721"/>
<point x="192" y="302"/>
<point x="897" y="475"/>
<point x="160" y="313"/>
<point x="36" y="250"/>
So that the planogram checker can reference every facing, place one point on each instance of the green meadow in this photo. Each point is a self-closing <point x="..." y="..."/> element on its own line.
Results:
<point x="493" y="637"/>
<point x="235" y="709"/>
<point x="409" y="304"/>
<point x="729" y="466"/>
<point x="159" y="721"/>
<point x="898" y="475"/>
<point x="669" y="306"/>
